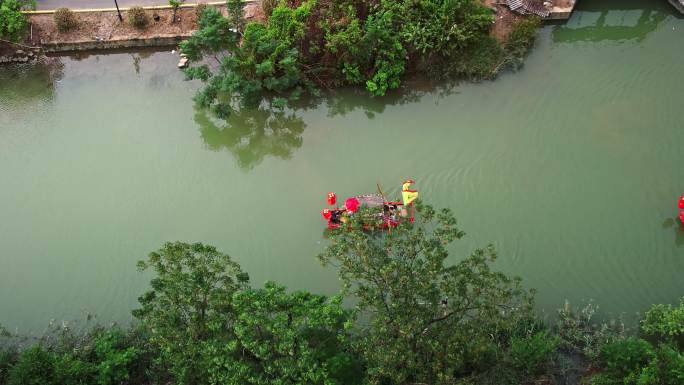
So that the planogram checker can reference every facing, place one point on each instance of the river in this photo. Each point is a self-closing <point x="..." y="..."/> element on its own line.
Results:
<point x="570" y="167"/>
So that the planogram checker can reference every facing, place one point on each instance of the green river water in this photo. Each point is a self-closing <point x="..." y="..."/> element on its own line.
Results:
<point x="570" y="166"/>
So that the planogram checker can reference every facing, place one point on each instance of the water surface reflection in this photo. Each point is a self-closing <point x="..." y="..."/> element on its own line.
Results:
<point x="254" y="134"/>
<point x="600" y="21"/>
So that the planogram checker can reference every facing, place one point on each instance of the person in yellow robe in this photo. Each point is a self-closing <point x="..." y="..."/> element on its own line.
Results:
<point x="408" y="195"/>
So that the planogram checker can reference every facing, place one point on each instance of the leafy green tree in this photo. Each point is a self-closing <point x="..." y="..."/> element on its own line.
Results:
<point x="264" y="60"/>
<point x="12" y="22"/>
<point x="213" y="329"/>
<point x="437" y="33"/>
<point x="114" y="357"/>
<point x="429" y="321"/>
<point x="658" y="361"/>
<point x="190" y="303"/>
<point x="315" y="44"/>
<point x="431" y="36"/>
<point x="175" y="4"/>
<point x="366" y="52"/>
<point x="625" y="359"/>
<point x="384" y="54"/>
<point x="282" y="338"/>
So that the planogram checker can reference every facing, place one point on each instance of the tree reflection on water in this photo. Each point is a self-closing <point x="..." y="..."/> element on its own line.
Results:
<point x="613" y="21"/>
<point x="23" y="84"/>
<point x="253" y="134"/>
<point x="674" y="223"/>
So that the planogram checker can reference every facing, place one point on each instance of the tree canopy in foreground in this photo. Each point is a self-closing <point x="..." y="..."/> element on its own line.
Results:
<point x="429" y="320"/>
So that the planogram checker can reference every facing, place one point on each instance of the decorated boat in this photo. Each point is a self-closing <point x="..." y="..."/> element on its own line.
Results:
<point x="383" y="212"/>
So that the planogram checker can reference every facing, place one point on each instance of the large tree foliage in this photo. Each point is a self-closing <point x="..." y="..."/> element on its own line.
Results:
<point x="212" y="328"/>
<point x="430" y="321"/>
<point x="12" y="22"/>
<point x="309" y="44"/>
<point x="283" y="338"/>
<point x="190" y="303"/>
<point x="264" y="59"/>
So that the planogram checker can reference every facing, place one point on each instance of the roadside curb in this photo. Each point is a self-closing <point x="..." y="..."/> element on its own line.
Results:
<point x="165" y="40"/>
<point x="151" y="7"/>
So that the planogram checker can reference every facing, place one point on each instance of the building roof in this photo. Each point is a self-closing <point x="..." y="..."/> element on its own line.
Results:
<point x="528" y="7"/>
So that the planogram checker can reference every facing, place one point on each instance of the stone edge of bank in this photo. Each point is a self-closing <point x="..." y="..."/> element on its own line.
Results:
<point x="89" y="45"/>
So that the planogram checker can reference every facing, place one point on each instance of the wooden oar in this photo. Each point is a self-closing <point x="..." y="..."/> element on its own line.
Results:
<point x="384" y="200"/>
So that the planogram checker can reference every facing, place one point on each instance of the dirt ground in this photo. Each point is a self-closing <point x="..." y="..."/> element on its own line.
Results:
<point x="106" y="25"/>
<point x="505" y="19"/>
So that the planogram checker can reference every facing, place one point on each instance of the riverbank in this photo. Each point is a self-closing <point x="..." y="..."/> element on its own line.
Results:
<point x="103" y="30"/>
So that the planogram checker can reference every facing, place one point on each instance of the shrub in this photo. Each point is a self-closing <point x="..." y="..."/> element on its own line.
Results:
<point x="528" y="355"/>
<point x="604" y="379"/>
<point x="521" y="39"/>
<point x="137" y="17"/>
<point x="523" y="34"/>
<point x="667" y="368"/>
<point x="479" y="61"/>
<point x="70" y="369"/>
<point x="13" y="23"/>
<point x="578" y="332"/>
<point x="665" y="321"/>
<point x="65" y="19"/>
<point x="7" y="359"/>
<point x="114" y="357"/>
<point x="34" y="366"/>
<point x="635" y="362"/>
<point x="624" y="357"/>
<point x="266" y="62"/>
